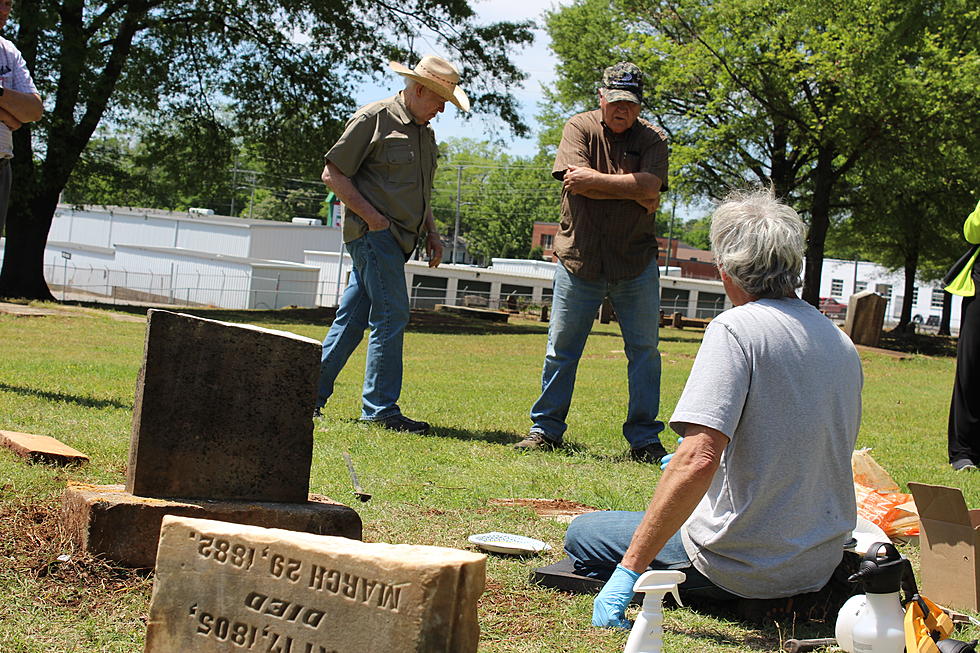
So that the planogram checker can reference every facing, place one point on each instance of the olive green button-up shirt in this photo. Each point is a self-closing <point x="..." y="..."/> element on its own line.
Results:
<point x="391" y="160"/>
<point x="608" y="239"/>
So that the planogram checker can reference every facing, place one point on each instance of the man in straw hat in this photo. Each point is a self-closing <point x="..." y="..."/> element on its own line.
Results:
<point x="613" y="166"/>
<point x="382" y="170"/>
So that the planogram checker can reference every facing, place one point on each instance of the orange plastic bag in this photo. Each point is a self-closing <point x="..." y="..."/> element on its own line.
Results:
<point x="877" y="499"/>
<point x="893" y="512"/>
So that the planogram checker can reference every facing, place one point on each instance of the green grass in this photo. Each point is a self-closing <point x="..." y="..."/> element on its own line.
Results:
<point x="73" y="377"/>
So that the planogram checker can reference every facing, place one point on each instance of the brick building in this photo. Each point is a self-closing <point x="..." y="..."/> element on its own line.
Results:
<point x="693" y="263"/>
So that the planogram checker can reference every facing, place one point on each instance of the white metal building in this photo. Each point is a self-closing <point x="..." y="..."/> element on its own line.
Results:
<point x="231" y="262"/>
<point x="508" y="281"/>
<point x="108" y="226"/>
<point x="840" y="279"/>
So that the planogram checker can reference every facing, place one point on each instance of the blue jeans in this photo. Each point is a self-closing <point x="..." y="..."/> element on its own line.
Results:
<point x="597" y="541"/>
<point x="376" y="297"/>
<point x="573" y="310"/>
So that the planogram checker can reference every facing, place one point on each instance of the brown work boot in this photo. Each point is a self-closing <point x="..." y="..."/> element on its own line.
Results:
<point x="537" y="441"/>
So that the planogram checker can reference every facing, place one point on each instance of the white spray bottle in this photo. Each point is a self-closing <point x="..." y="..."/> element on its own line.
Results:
<point x="647" y="634"/>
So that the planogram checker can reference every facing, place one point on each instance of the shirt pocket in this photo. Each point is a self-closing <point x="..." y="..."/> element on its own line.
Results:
<point x="400" y="159"/>
<point x="630" y="162"/>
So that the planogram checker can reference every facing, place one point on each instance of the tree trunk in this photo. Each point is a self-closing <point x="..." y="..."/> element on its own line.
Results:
<point x="28" y="223"/>
<point x="911" y="267"/>
<point x="946" y="315"/>
<point x="823" y="184"/>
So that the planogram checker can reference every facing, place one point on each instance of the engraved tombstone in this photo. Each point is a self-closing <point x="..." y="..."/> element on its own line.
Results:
<point x="865" y="317"/>
<point x="222" y="429"/>
<point x="222" y="411"/>
<point x="223" y="587"/>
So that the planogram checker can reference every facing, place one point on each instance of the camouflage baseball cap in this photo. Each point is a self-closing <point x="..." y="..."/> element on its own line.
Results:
<point x="624" y="81"/>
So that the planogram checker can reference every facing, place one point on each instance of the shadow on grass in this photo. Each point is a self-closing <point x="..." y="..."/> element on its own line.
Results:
<point x="88" y="402"/>
<point x="492" y="437"/>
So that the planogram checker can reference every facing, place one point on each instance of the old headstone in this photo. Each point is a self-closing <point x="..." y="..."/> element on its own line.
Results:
<point x="223" y="429"/>
<point x="606" y="312"/>
<point x="41" y="448"/>
<point x="222" y="411"/>
<point x="865" y="317"/>
<point x="226" y="587"/>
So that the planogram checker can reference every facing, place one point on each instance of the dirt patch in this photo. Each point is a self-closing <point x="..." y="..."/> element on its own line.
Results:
<point x="34" y="543"/>
<point x="551" y="508"/>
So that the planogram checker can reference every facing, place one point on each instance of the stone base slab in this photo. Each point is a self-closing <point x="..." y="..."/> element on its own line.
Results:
<point x="108" y="521"/>
<point x="41" y="448"/>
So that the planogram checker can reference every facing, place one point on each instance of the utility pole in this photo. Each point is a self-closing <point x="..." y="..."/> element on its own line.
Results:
<point x="670" y="237"/>
<point x="459" y="181"/>
<point x="234" y="186"/>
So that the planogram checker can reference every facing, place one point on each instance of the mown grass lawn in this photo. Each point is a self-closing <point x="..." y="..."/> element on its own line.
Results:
<point x="72" y="376"/>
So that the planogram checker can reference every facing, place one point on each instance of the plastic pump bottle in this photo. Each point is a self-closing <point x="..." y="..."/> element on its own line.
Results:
<point x="647" y="633"/>
<point x="879" y="625"/>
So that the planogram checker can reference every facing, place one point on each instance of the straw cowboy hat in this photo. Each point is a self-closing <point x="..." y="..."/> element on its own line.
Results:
<point x="437" y="75"/>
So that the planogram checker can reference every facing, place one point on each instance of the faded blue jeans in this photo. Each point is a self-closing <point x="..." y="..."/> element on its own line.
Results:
<point x="573" y="310"/>
<point x="376" y="297"/>
<point x="597" y="541"/>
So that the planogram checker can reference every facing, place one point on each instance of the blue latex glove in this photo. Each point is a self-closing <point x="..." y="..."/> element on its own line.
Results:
<point x="665" y="460"/>
<point x="609" y="606"/>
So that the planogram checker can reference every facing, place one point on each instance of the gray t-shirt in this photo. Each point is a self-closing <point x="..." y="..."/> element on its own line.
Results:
<point x="784" y="384"/>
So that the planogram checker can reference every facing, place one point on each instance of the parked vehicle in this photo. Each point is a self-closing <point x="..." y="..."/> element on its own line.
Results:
<point x="832" y="308"/>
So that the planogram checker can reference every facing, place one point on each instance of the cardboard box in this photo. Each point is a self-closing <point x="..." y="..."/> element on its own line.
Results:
<point x="949" y="547"/>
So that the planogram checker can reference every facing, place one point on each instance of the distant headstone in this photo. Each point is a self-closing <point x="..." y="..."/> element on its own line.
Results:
<point x="222" y="411"/>
<point x="227" y="587"/>
<point x="544" y="313"/>
<point x="865" y="317"/>
<point x="606" y="312"/>
<point x="41" y="448"/>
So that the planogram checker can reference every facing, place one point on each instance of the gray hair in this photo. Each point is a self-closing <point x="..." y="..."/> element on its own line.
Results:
<point x="758" y="241"/>
<point x="410" y="84"/>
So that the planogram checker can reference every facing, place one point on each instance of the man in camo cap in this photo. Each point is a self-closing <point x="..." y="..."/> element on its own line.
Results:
<point x="613" y="167"/>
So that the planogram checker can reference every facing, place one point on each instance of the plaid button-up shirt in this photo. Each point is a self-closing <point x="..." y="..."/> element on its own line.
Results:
<point x="608" y="239"/>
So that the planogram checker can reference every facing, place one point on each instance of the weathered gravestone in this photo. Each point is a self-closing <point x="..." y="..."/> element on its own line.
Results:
<point x="865" y="317"/>
<point x="228" y="587"/>
<point x="223" y="411"/>
<point x="222" y="428"/>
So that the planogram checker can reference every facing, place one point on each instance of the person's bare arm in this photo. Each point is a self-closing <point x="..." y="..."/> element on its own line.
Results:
<point x="25" y="107"/>
<point x="8" y="119"/>
<point x="581" y="180"/>
<point x="344" y="188"/>
<point x="433" y="244"/>
<point x="681" y="488"/>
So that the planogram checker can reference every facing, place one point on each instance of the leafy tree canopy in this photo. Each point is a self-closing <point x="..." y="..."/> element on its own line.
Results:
<point x="279" y="75"/>
<point x="789" y="94"/>
<point x="500" y="197"/>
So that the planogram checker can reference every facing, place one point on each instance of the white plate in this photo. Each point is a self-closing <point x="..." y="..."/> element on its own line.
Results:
<point x="867" y="533"/>
<point x="507" y="543"/>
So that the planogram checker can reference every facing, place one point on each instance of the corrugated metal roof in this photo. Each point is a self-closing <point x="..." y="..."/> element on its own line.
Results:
<point x="184" y="216"/>
<point x="209" y="256"/>
<point x="107" y="251"/>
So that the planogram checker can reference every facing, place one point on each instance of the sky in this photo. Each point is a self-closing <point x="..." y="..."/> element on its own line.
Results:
<point x="536" y="60"/>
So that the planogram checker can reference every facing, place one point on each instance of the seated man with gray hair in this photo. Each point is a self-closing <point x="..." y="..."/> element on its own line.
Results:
<point x="758" y="500"/>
